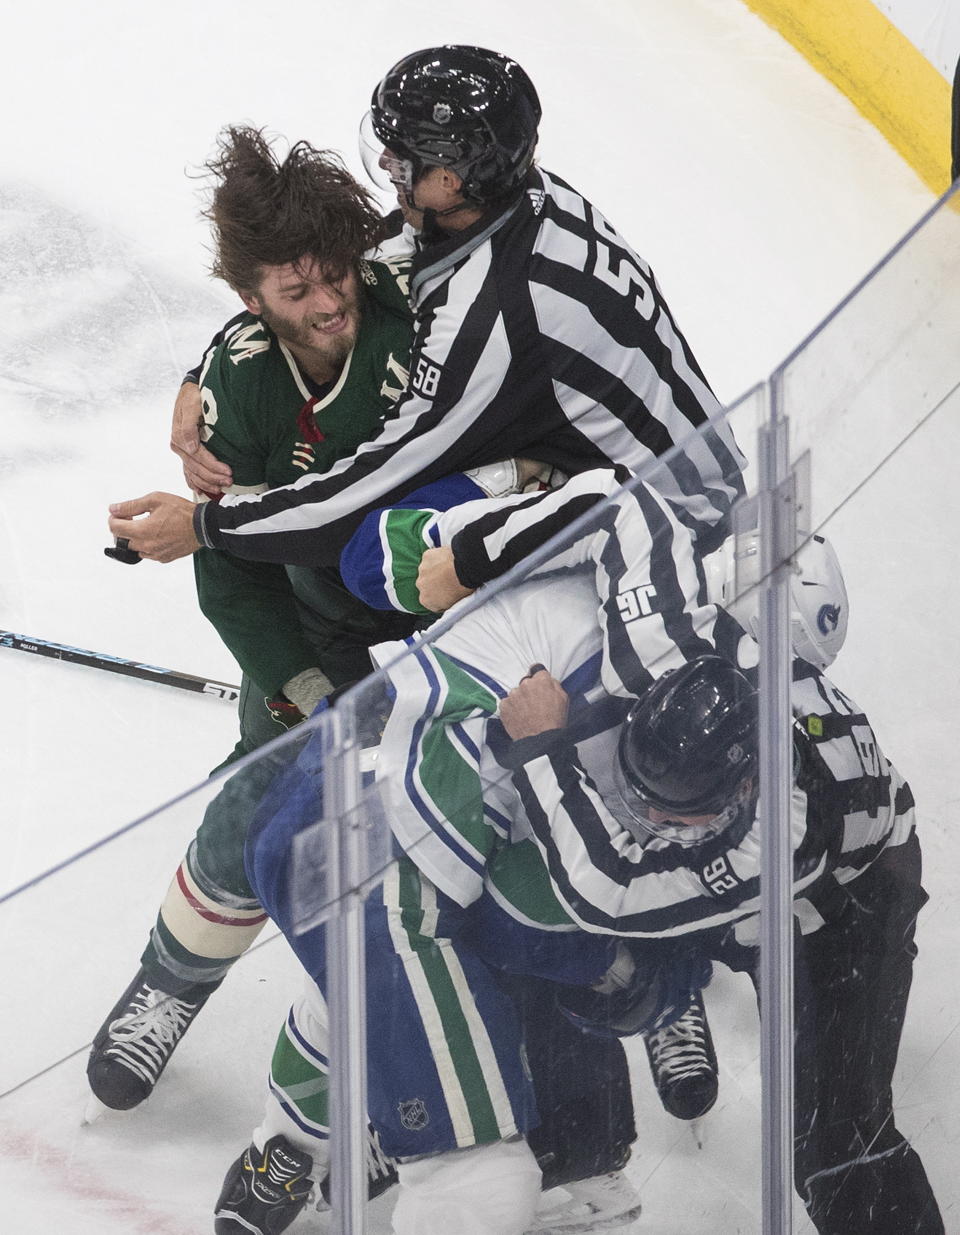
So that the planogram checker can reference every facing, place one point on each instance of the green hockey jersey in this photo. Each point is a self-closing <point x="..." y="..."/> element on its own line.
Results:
<point x="265" y="419"/>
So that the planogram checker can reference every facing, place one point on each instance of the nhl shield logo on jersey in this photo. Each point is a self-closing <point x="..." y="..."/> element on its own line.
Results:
<point x="414" y="1114"/>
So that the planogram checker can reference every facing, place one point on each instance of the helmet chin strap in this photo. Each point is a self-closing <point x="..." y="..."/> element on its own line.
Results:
<point x="430" y="215"/>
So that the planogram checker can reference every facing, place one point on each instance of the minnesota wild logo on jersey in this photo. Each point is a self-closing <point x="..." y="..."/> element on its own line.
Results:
<point x="266" y="419"/>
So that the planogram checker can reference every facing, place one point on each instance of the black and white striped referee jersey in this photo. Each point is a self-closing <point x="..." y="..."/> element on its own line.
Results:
<point x="849" y="804"/>
<point x="539" y="333"/>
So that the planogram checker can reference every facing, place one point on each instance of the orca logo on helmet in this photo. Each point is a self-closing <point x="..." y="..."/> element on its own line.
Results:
<point x="828" y="618"/>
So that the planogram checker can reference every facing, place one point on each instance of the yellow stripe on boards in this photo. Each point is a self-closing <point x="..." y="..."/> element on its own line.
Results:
<point x="853" y="45"/>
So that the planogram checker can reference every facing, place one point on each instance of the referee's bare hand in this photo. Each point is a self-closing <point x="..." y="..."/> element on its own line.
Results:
<point x="164" y="534"/>
<point x="537" y="704"/>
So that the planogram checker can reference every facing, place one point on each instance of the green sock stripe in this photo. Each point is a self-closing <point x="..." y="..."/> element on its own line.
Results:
<point x="302" y="1080"/>
<point x="460" y="1039"/>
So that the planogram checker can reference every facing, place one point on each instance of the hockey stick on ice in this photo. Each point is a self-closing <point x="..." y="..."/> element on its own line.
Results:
<point x="117" y="664"/>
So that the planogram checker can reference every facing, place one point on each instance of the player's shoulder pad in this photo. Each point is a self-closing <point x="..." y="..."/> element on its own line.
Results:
<point x="386" y="279"/>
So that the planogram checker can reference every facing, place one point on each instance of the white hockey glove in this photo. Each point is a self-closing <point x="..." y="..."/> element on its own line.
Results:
<point x="304" y="692"/>
<point x="515" y="476"/>
<point x="497" y="479"/>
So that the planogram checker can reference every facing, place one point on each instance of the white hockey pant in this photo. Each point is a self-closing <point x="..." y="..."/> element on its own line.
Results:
<point x="487" y="1190"/>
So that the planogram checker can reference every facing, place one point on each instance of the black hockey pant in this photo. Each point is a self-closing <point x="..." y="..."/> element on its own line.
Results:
<point x="854" y="1170"/>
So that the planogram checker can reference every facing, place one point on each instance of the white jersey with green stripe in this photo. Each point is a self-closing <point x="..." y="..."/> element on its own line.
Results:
<point x="451" y="804"/>
<point x="618" y="604"/>
<point x="549" y="839"/>
<point x="639" y="562"/>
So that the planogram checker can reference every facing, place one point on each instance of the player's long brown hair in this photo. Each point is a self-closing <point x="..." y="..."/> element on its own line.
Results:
<point x="268" y="212"/>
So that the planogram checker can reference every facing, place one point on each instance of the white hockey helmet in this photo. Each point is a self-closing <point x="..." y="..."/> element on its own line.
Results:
<point x="819" y="607"/>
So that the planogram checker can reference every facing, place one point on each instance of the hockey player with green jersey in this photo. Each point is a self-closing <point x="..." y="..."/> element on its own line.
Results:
<point x="300" y="379"/>
<point x="272" y="422"/>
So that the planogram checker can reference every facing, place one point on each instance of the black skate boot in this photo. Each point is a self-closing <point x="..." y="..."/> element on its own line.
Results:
<point x="684" y="1063"/>
<point x="136" y="1040"/>
<point x="381" y="1171"/>
<point x="264" y="1191"/>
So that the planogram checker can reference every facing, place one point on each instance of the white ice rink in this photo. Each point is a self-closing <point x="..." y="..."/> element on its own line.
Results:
<point x="760" y="197"/>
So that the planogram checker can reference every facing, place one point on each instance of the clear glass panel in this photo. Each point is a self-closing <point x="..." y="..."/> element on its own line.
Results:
<point x="872" y="401"/>
<point x="481" y="835"/>
<point x="878" y="368"/>
<point x="70" y="942"/>
<point x="413" y="760"/>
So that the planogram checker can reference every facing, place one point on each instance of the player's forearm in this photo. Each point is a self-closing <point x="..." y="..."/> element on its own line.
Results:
<point x="489" y="541"/>
<point x="607" y="881"/>
<point x="446" y="420"/>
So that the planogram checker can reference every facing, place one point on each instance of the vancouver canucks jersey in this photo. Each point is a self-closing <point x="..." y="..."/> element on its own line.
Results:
<point x="273" y="426"/>
<point x="452" y="804"/>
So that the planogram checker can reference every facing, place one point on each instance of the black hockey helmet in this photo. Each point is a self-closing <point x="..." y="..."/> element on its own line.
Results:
<point x="689" y="747"/>
<point x="466" y="108"/>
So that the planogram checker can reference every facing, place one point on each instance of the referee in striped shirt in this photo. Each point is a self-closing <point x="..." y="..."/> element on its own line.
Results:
<point x="675" y="854"/>
<point x="540" y="333"/>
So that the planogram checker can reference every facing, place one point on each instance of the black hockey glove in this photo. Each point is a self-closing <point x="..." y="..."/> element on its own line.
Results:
<point x="665" y="978"/>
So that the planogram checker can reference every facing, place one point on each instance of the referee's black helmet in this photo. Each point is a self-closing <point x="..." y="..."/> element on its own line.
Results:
<point x="689" y="747"/>
<point x="466" y="108"/>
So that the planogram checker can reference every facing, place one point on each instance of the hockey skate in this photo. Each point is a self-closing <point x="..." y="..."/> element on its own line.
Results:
<point x="604" y="1203"/>
<point x="136" y="1040"/>
<point x="264" y="1191"/>
<point x="684" y="1063"/>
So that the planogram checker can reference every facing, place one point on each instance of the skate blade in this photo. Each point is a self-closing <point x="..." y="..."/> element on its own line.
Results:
<point x="94" y="1111"/>
<point x="696" y="1131"/>
<point x="588" y="1222"/>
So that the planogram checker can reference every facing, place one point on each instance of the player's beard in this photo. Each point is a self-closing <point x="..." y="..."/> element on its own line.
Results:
<point x="323" y="355"/>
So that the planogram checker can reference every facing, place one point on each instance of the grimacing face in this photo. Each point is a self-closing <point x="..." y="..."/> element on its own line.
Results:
<point x="315" y="316"/>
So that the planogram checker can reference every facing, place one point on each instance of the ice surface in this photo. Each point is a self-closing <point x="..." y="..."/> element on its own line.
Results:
<point x="760" y="197"/>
